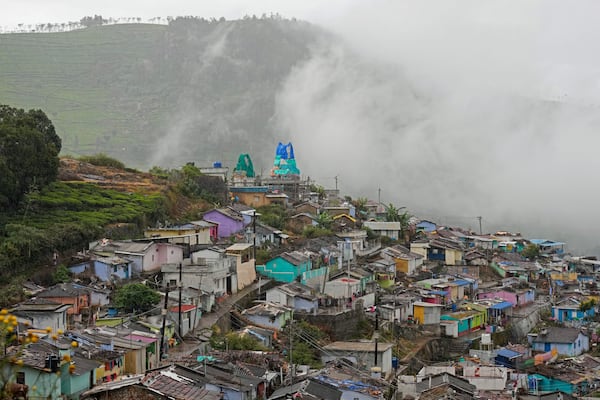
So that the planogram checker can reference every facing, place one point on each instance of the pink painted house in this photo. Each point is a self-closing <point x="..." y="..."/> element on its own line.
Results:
<point x="515" y="297"/>
<point x="144" y="256"/>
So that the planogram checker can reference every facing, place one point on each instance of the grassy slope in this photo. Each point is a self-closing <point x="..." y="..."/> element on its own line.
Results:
<point x="89" y="81"/>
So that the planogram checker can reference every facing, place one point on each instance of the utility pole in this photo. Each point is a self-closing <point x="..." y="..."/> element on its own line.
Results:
<point x="379" y="196"/>
<point x="164" y="323"/>
<point x="291" y="350"/>
<point x="376" y="336"/>
<point x="480" y="230"/>
<point x="180" y="294"/>
<point x="336" y="182"/>
<point x="254" y="236"/>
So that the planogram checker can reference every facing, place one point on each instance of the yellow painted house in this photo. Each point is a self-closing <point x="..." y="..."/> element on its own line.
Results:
<point x="406" y="261"/>
<point x="564" y="276"/>
<point x="427" y="313"/>
<point x="192" y="233"/>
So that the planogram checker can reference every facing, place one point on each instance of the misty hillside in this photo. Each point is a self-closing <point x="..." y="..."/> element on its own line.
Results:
<point x="194" y="90"/>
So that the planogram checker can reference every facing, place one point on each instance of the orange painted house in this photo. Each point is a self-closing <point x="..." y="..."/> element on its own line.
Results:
<point x="67" y="293"/>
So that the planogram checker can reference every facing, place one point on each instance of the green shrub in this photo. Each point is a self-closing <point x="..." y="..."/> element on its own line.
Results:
<point x="102" y="160"/>
<point x="311" y="232"/>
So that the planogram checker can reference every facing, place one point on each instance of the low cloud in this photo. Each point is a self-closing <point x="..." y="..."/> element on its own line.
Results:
<point x="458" y="110"/>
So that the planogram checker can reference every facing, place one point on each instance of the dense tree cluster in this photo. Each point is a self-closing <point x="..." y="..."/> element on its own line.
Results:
<point x="29" y="148"/>
<point x="136" y="297"/>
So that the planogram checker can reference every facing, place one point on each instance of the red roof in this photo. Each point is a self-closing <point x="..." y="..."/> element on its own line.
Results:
<point x="184" y="308"/>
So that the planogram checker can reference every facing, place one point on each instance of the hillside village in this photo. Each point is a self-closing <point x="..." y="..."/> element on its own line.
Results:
<point x="354" y="299"/>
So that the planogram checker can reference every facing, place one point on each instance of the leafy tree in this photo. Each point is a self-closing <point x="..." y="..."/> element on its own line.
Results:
<point x="531" y="252"/>
<point x="262" y="256"/>
<point x="193" y="183"/>
<point x="320" y="190"/>
<point x="404" y="220"/>
<point x="61" y="275"/>
<point x="392" y="214"/>
<point x="324" y="220"/>
<point x="303" y="351"/>
<point x="29" y="148"/>
<point x="159" y="172"/>
<point x="361" y="206"/>
<point x="273" y="215"/>
<point x="96" y="20"/>
<point x="587" y="305"/>
<point x="136" y="296"/>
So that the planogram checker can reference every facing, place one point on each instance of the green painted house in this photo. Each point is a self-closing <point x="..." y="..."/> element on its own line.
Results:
<point x="286" y="267"/>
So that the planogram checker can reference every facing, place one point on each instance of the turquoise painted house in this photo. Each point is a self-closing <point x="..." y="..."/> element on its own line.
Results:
<point x="286" y="267"/>
<point x="81" y="379"/>
<point x="42" y="363"/>
<point x="539" y="384"/>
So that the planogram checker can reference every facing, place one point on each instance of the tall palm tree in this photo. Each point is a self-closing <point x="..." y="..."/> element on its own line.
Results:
<point x="392" y="214"/>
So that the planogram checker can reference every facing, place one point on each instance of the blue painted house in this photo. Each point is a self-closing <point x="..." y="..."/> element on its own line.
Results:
<point x="567" y="341"/>
<point x="549" y="246"/>
<point x="286" y="267"/>
<point x="426" y="226"/>
<point x="570" y="309"/>
<point x="105" y="268"/>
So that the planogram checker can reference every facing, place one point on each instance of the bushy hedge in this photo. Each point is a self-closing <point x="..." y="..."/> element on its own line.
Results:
<point x="102" y="160"/>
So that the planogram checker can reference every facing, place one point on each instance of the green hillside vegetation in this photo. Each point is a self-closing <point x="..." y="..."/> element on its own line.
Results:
<point x="118" y="89"/>
<point x="65" y="216"/>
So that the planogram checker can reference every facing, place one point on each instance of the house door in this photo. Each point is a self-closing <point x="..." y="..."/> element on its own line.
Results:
<point x="547" y="347"/>
<point x="229" y="284"/>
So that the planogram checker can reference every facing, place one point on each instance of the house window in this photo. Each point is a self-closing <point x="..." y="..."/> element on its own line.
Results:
<point x="152" y="257"/>
<point x="21" y="377"/>
<point x="173" y="282"/>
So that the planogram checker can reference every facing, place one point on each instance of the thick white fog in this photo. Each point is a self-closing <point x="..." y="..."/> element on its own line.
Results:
<point x="458" y="110"/>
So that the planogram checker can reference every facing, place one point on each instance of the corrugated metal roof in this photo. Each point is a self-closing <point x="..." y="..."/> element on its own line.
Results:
<point x="239" y="247"/>
<point x="508" y="353"/>
<point x="358" y="346"/>
<point x="501" y="306"/>
<point x="382" y="225"/>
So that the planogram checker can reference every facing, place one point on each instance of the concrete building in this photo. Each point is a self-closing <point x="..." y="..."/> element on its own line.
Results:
<point x="362" y="353"/>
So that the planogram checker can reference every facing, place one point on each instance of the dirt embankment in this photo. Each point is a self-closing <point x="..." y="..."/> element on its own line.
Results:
<point x="71" y="170"/>
<point x="110" y="178"/>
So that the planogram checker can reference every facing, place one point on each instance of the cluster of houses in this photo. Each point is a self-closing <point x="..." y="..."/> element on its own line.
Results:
<point x="445" y="283"/>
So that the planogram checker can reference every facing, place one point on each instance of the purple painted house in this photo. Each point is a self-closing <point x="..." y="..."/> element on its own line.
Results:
<point x="515" y="297"/>
<point x="228" y="220"/>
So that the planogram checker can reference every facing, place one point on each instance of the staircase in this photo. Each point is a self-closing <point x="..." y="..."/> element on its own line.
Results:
<point x="459" y="346"/>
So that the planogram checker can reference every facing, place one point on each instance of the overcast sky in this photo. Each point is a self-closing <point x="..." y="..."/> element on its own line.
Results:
<point x="43" y="11"/>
